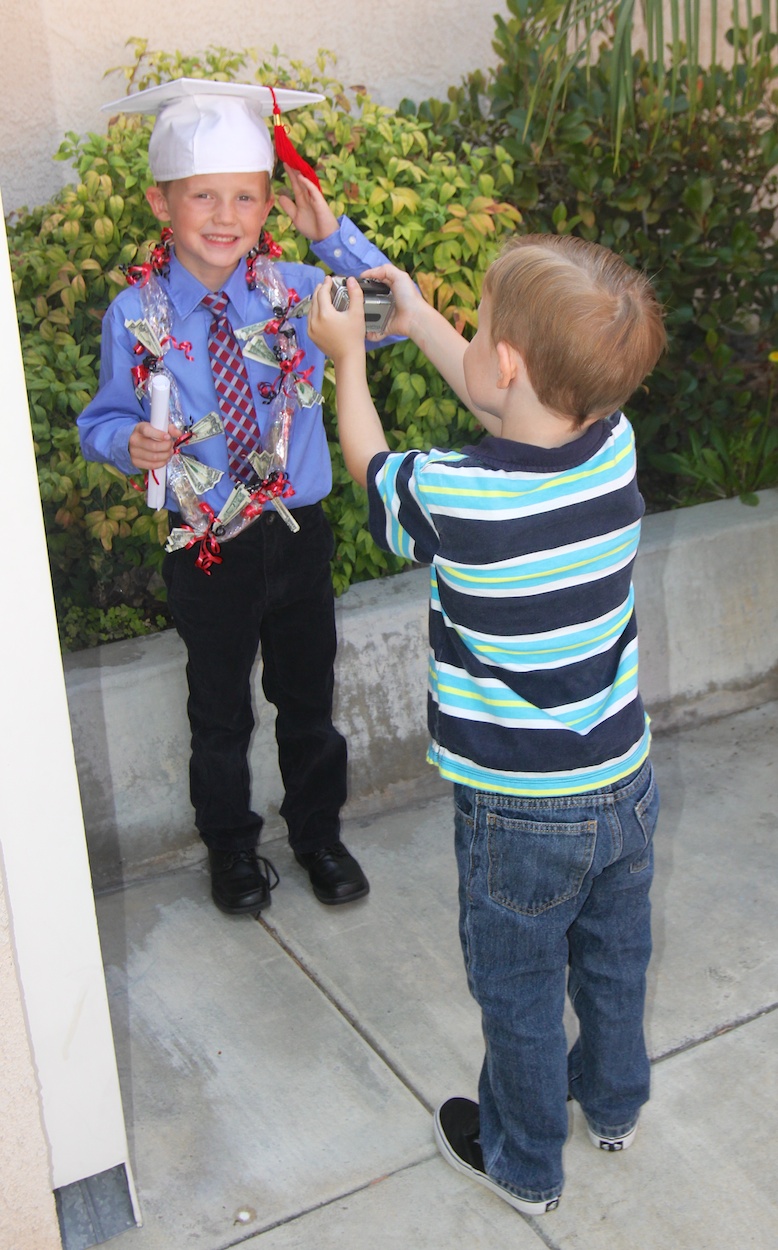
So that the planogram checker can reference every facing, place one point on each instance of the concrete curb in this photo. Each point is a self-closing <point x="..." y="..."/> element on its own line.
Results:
<point x="706" y="583"/>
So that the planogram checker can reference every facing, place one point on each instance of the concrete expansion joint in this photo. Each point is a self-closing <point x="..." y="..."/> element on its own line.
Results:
<point x="721" y="1030"/>
<point x="347" y="1014"/>
<point x="340" y="1197"/>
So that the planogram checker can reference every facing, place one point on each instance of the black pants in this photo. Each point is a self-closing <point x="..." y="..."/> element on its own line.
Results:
<point x="272" y="590"/>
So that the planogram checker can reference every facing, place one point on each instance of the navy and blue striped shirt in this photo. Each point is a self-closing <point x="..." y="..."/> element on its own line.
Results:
<point x="533" y="685"/>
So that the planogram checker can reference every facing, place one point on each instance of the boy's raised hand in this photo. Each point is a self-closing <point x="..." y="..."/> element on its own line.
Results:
<point x="338" y="333"/>
<point x="309" y="211"/>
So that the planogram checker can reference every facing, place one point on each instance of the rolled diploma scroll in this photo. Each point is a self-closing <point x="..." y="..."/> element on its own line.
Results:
<point x="160" y="410"/>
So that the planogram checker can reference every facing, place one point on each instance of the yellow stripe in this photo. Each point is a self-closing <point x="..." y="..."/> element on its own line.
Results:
<point x="485" y="649"/>
<point x="455" y="575"/>
<point x="550" y="484"/>
<point x="452" y="774"/>
<point x="482" y="698"/>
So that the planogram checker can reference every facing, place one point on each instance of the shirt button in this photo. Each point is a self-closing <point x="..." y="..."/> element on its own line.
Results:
<point x="338" y="251"/>
<point x="352" y="240"/>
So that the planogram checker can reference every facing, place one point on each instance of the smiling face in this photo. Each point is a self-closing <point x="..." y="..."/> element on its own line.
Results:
<point x="216" y="220"/>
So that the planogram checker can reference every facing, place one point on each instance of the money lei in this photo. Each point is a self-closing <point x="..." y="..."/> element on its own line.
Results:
<point x="291" y="390"/>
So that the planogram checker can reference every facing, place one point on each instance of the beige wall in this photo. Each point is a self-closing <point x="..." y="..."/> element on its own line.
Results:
<point x="28" y="1219"/>
<point x="57" y="51"/>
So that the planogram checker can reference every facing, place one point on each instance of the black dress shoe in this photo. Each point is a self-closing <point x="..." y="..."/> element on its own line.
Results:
<point x="335" y="875"/>
<point x="241" y="881"/>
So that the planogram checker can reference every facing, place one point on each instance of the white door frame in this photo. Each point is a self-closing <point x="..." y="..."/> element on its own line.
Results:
<point x="50" y="900"/>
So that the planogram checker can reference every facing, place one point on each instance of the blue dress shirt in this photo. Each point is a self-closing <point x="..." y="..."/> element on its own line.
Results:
<point x="107" y="422"/>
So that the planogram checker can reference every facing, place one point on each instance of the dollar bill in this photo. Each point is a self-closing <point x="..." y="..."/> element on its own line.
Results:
<point x="301" y="309"/>
<point x="207" y="427"/>
<point x="285" y="514"/>
<point x="260" y="462"/>
<point x="254" y="345"/>
<point x="202" y="477"/>
<point x="235" y="504"/>
<point x="145" y="335"/>
<point x="178" y="538"/>
<point x="307" y="394"/>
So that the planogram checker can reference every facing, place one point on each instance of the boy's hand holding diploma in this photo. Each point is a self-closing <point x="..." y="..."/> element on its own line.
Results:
<point x="150" y="448"/>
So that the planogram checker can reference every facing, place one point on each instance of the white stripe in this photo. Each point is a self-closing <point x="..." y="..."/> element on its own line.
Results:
<point x="548" y="718"/>
<point x="480" y="590"/>
<point x="545" y="636"/>
<point x="545" y="553"/>
<point x="474" y="510"/>
<point x="563" y="776"/>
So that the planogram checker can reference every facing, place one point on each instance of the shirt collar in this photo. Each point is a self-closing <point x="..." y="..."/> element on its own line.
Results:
<point x="509" y="454"/>
<point x="186" y="291"/>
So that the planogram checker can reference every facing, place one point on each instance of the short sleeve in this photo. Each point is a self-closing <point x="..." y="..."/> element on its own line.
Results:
<point x="400" y="518"/>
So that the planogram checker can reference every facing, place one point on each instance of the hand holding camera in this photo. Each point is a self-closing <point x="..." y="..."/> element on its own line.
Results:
<point x="379" y="302"/>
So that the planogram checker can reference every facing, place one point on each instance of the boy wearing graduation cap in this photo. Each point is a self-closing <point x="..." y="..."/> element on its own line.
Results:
<point x="246" y="463"/>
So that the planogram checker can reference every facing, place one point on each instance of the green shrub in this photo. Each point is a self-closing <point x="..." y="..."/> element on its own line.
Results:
<point x="389" y="172"/>
<point x="436" y="187"/>
<point x="691" y="203"/>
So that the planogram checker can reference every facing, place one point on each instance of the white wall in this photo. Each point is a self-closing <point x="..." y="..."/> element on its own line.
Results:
<point x="50" y="924"/>
<point x="57" y="51"/>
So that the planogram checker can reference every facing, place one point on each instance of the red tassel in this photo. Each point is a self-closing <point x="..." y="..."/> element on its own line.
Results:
<point x="285" y="149"/>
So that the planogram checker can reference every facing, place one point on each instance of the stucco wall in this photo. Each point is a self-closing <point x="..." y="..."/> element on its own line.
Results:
<point x="57" y="54"/>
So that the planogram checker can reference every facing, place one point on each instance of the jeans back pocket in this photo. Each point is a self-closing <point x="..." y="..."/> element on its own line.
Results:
<point x="646" y="813"/>
<point x="536" y="864"/>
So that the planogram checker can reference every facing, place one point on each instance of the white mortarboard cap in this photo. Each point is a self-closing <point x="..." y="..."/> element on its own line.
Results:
<point x="207" y="127"/>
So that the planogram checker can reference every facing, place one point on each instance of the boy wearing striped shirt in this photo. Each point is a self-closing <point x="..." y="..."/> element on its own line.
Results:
<point x="534" y="708"/>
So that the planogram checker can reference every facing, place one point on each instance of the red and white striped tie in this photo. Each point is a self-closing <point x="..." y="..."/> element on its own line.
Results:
<point x="233" y="389"/>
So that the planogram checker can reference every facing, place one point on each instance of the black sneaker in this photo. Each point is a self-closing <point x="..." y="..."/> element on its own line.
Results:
<point x="456" y="1133"/>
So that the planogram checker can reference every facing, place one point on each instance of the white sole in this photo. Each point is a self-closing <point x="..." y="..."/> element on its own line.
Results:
<point x="524" y="1205"/>
<point x="612" y="1144"/>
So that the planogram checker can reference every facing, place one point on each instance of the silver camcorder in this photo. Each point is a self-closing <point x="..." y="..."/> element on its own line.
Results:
<point x="379" y="302"/>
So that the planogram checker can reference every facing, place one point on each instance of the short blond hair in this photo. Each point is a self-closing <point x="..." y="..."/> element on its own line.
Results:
<point x="588" y="326"/>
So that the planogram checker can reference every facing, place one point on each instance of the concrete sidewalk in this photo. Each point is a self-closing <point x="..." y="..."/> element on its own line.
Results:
<point x="278" y="1075"/>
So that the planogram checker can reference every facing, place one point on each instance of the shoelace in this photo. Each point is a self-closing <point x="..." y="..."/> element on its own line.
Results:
<point x="265" y="866"/>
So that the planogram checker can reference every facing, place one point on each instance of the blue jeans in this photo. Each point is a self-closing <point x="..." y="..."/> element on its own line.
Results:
<point x="547" y="885"/>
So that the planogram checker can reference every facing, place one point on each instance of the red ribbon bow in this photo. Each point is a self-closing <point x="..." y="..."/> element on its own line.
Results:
<point x="158" y="262"/>
<point x="150" y="364"/>
<point x="282" y="314"/>
<point x="289" y="366"/>
<point x="276" y="485"/>
<point x="184" y="346"/>
<point x="182" y="440"/>
<point x="265" y="247"/>
<point x="208" y="554"/>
